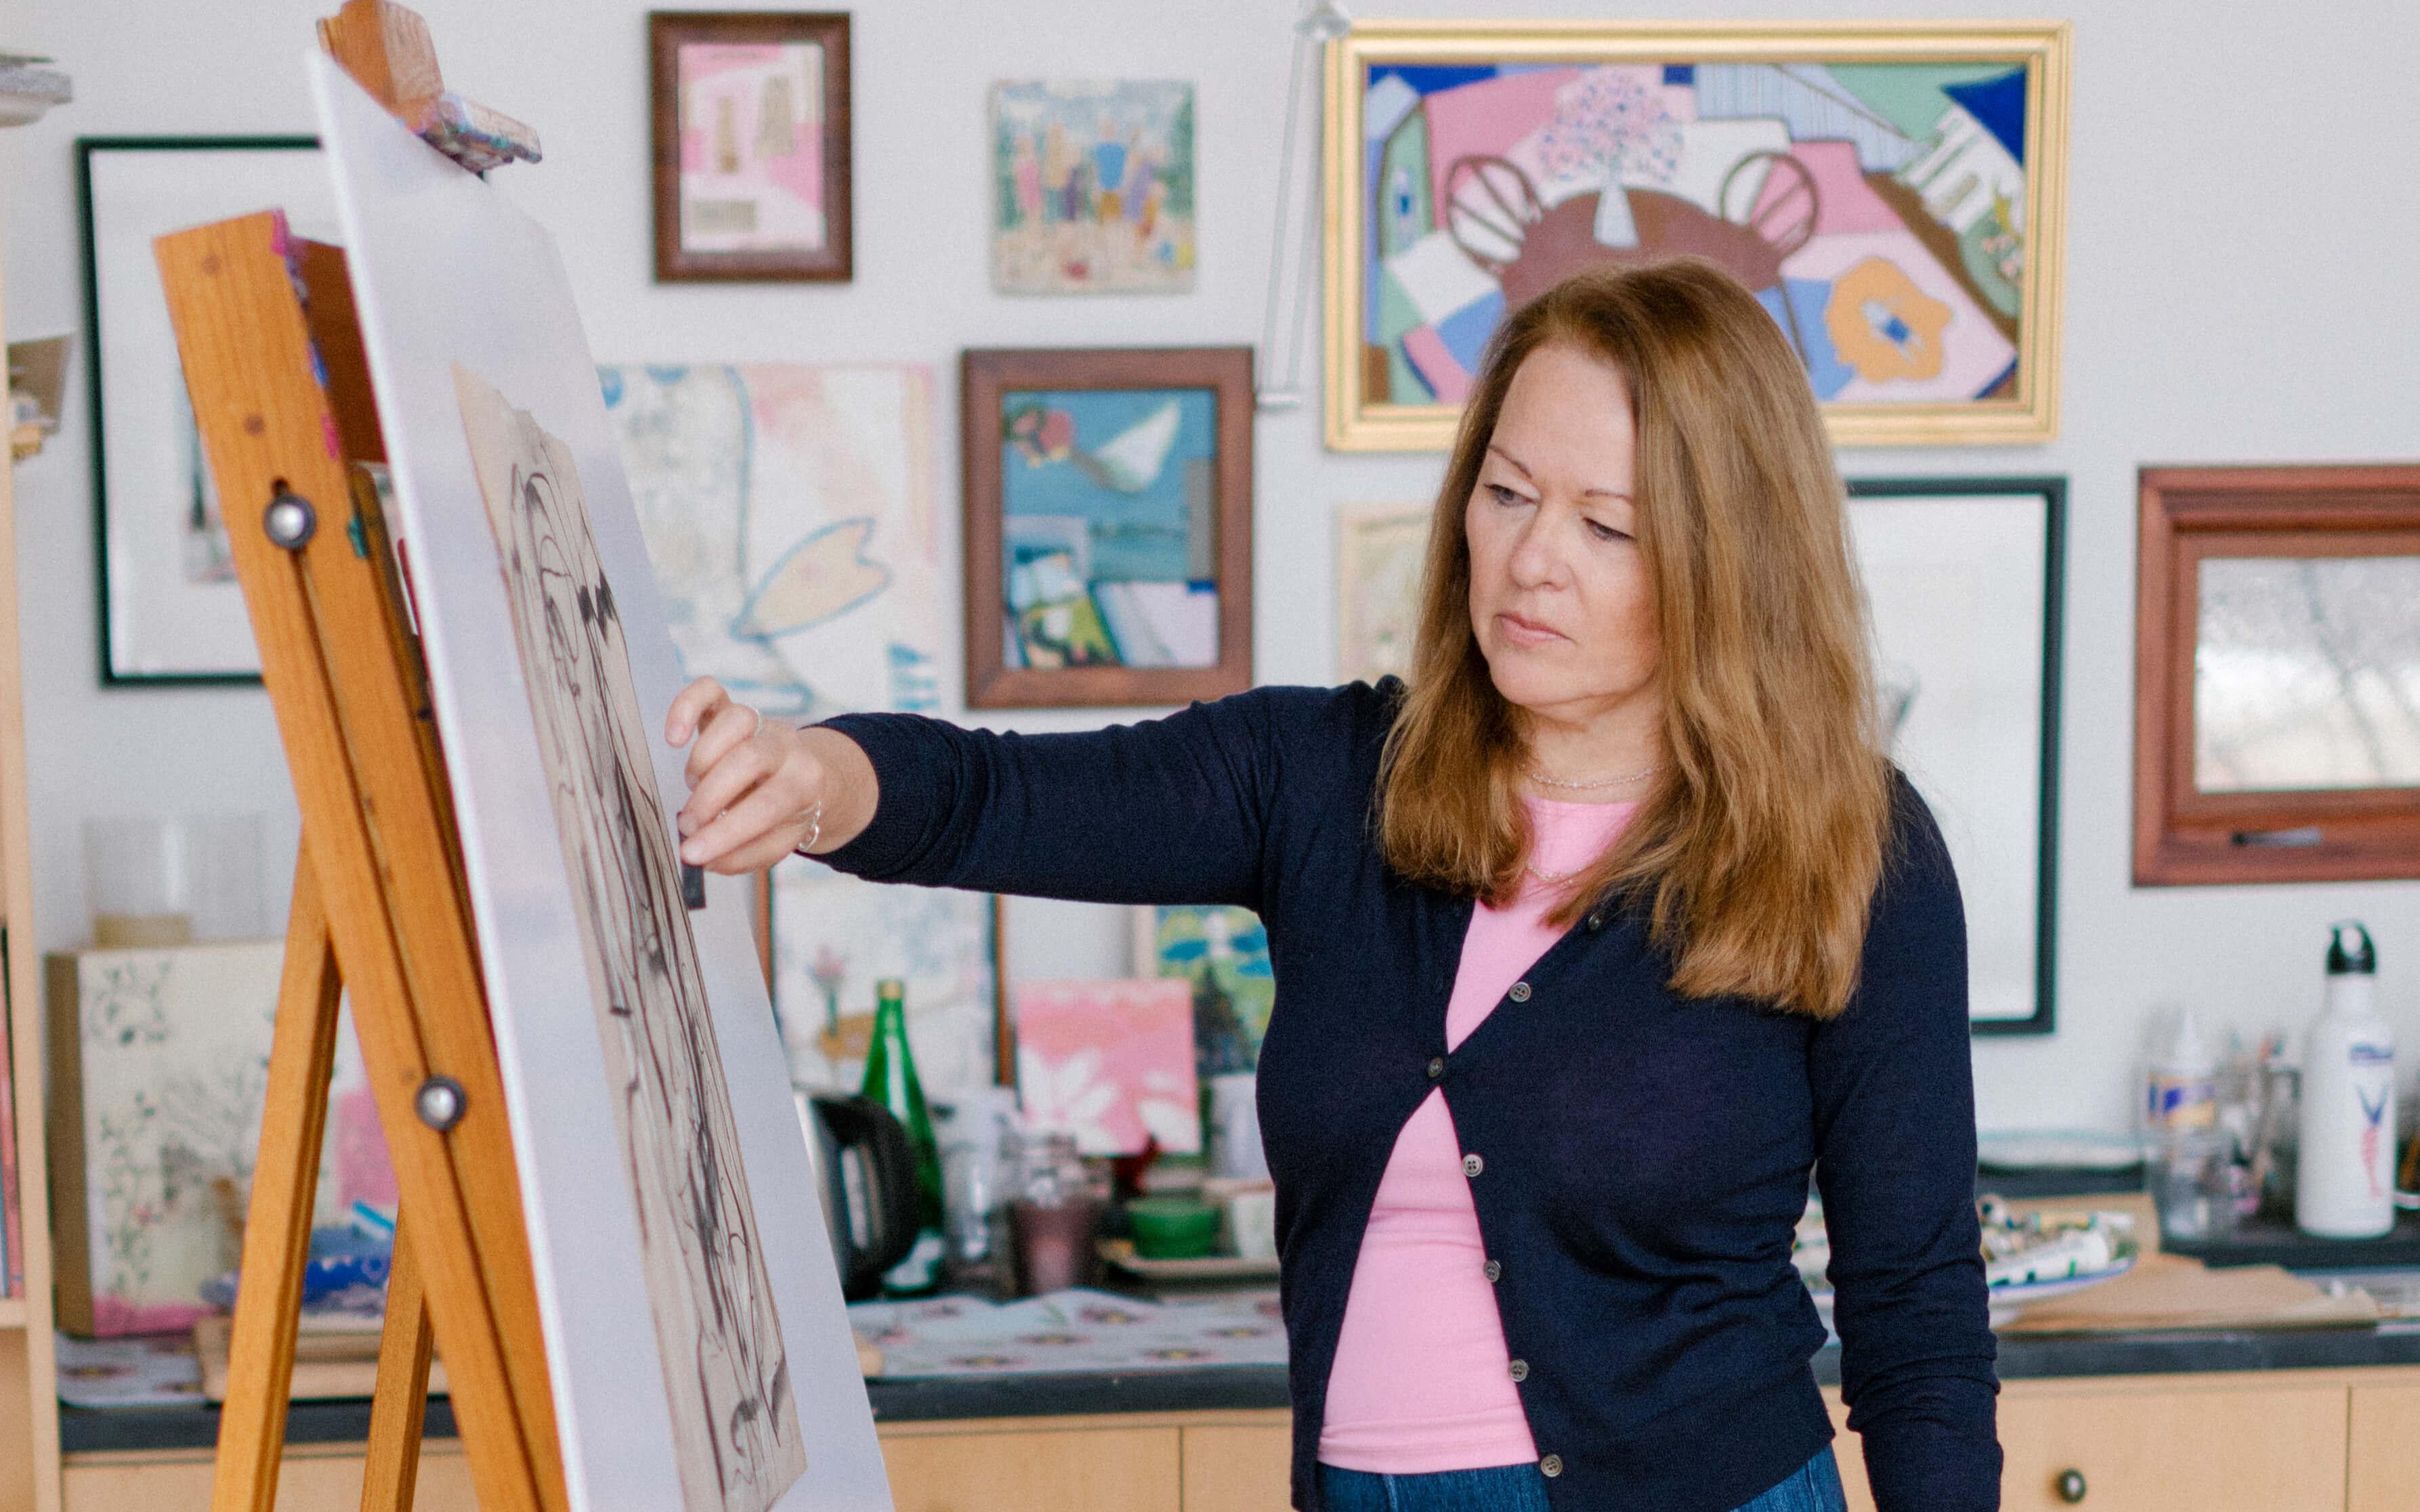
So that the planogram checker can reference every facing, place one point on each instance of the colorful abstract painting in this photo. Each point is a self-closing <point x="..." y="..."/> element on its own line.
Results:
<point x="1109" y="1062"/>
<point x="788" y="510"/>
<point x="1109" y="550"/>
<point x="1091" y="188"/>
<point x="1379" y="549"/>
<point x="1223" y="953"/>
<point x="1882" y="211"/>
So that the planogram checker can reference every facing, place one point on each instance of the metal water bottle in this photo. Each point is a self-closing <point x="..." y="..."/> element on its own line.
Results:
<point x="2344" y="1185"/>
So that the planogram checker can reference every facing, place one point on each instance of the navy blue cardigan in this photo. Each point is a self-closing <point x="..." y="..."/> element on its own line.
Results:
<point x="1638" y="1159"/>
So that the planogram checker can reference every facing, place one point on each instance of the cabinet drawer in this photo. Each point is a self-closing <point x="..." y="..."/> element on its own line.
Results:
<point x="1086" y="1470"/>
<point x="2384" y="1469"/>
<point x="2258" y="1450"/>
<point x="1239" y="1468"/>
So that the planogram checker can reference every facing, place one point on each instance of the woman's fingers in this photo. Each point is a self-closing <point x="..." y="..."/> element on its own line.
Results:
<point x="729" y="728"/>
<point x="741" y="767"/>
<point x="694" y="705"/>
<point x="771" y="815"/>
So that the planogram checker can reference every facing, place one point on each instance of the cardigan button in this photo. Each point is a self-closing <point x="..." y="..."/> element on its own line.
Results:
<point x="1520" y="993"/>
<point x="1595" y="922"/>
<point x="1551" y="1466"/>
<point x="1520" y="1369"/>
<point x="1493" y="1270"/>
<point x="1436" y="1067"/>
<point x="1472" y="1166"/>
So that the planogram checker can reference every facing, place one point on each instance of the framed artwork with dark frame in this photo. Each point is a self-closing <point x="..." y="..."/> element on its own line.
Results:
<point x="171" y="609"/>
<point x="749" y="121"/>
<point x="1108" y="525"/>
<point x="2278" y="674"/>
<point x="1965" y="591"/>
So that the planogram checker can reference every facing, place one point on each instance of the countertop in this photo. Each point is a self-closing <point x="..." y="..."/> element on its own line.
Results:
<point x="2396" y="1341"/>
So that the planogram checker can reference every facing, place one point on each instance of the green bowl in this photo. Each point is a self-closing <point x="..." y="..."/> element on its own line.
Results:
<point x="1172" y="1228"/>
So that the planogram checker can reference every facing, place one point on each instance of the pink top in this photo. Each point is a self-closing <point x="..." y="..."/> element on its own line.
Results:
<point x="1422" y="1380"/>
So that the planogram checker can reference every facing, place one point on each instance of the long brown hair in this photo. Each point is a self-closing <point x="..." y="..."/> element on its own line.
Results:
<point x="1762" y="838"/>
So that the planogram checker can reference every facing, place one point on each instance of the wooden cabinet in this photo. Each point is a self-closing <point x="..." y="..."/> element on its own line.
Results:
<point x="2263" y="1449"/>
<point x="2295" y="1441"/>
<point x="2383" y="1466"/>
<point x="935" y="1468"/>
<point x="1240" y="1465"/>
<point x="2287" y="1441"/>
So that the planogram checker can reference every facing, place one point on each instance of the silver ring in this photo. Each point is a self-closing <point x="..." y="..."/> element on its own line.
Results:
<point x="813" y="815"/>
<point x="760" y="722"/>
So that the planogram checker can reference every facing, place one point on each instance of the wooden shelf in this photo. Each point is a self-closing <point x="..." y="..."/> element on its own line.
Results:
<point x="12" y="1312"/>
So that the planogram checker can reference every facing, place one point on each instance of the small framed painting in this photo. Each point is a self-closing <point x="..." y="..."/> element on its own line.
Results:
<point x="1109" y="526"/>
<point x="171" y="609"/>
<point x="1893" y="193"/>
<point x="751" y="127"/>
<point x="2278" y="674"/>
<point x="1091" y="187"/>
<point x="1380" y="549"/>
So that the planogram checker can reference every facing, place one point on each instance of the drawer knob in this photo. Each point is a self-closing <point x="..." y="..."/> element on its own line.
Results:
<point x="2071" y="1485"/>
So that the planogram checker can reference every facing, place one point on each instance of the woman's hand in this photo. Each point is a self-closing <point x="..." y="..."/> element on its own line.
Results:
<point x="760" y="789"/>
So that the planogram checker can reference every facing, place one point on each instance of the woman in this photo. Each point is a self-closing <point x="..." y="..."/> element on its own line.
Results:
<point x="1589" y="945"/>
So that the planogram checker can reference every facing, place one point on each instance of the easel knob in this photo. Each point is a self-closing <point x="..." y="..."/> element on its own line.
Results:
<point x="439" y="1102"/>
<point x="289" y="520"/>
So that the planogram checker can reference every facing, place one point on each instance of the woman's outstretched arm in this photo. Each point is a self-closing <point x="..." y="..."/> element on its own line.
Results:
<point x="1164" y="810"/>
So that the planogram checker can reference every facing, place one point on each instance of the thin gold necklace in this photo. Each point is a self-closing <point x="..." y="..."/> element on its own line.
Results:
<point x="1537" y="776"/>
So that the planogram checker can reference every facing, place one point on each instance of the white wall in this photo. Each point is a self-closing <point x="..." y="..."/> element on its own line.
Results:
<point x="2241" y="248"/>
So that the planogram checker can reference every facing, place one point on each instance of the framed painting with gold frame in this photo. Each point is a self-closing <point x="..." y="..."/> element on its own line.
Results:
<point x="1894" y="192"/>
<point x="2278" y="674"/>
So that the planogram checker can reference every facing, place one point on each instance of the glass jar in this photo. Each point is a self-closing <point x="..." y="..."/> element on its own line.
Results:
<point x="1053" y="1211"/>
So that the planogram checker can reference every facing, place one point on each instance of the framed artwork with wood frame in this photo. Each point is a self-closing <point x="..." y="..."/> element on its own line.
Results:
<point x="749" y="121"/>
<point x="2278" y="674"/>
<point x="1108" y="525"/>
<point x="1892" y="192"/>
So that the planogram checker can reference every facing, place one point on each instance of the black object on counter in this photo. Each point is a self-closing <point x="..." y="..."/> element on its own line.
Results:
<point x="2271" y="1242"/>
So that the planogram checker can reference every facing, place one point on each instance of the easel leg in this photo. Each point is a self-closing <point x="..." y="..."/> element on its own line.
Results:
<point x="277" y="1227"/>
<point x="402" y="1396"/>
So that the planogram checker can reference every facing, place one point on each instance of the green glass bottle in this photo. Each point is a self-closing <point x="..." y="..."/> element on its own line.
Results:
<point x="891" y="1080"/>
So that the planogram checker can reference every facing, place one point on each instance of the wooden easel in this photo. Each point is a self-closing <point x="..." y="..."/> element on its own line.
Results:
<point x="274" y="362"/>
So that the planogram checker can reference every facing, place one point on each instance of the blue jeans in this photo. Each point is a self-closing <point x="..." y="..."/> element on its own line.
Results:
<point x="1813" y="1486"/>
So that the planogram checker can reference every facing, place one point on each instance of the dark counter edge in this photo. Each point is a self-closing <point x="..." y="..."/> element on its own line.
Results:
<point x="1232" y="1388"/>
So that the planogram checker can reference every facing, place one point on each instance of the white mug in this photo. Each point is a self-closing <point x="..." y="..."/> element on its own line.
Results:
<point x="1252" y="1222"/>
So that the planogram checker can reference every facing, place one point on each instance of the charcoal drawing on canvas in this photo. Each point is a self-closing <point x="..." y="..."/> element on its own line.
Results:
<point x="726" y="1374"/>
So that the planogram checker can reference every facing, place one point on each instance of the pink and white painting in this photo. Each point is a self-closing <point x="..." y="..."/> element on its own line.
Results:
<point x="1111" y="1063"/>
<point x="751" y="150"/>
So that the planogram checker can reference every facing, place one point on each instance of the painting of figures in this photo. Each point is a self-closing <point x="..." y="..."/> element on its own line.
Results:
<point x="1093" y="188"/>
<point x="1891" y="200"/>
<point x="726" y="1375"/>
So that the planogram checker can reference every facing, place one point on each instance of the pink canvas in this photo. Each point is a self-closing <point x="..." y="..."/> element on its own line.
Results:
<point x="1111" y="1063"/>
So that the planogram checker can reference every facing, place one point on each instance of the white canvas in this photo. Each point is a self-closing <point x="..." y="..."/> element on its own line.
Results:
<point x="446" y="270"/>
<point x="1955" y="584"/>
